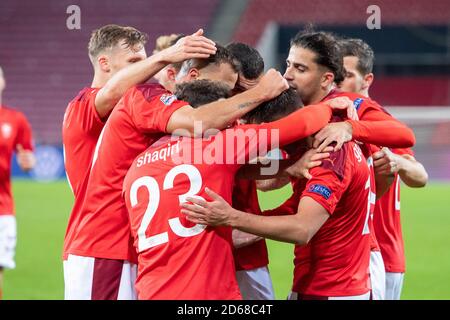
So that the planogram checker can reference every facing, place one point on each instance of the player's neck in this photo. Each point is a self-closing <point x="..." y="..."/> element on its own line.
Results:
<point x="364" y="92"/>
<point x="100" y="80"/>
<point x="320" y="95"/>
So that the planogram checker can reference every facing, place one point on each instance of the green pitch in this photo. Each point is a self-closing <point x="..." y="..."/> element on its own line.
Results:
<point x="43" y="210"/>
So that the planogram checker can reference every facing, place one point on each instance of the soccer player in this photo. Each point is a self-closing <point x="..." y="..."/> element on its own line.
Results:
<point x="102" y="239"/>
<point x="119" y="60"/>
<point x="179" y="260"/>
<point x="331" y="207"/>
<point x="396" y="164"/>
<point x="15" y="136"/>
<point x="314" y="66"/>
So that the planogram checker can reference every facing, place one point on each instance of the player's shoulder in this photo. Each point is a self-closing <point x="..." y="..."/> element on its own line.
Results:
<point x="359" y="101"/>
<point x="149" y="91"/>
<point x="84" y="94"/>
<point x="336" y="163"/>
<point x="342" y="163"/>
<point x="13" y="113"/>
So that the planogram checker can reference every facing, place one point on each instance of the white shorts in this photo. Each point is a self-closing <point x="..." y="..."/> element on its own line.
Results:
<point x="88" y="278"/>
<point x="8" y="238"/>
<point x="255" y="284"/>
<point x="296" y="296"/>
<point x="377" y="276"/>
<point x="394" y="284"/>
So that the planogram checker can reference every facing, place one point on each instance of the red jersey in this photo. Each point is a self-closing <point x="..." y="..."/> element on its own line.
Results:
<point x="245" y="198"/>
<point x="14" y="130"/>
<point x="136" y="122"/>
<point x="80" y="131"/>
<point x="388" y="225"/>
<point x="336" y="260"/>
<point x="376" y="125"/>
<point x="179" y="260"/>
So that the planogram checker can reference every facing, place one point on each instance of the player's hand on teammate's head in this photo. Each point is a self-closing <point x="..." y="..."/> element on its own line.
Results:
<point x="272" y="84"/>
<point x="25" y="158"/>
<point x="335" y="132"/>
<point x="194" y="46"/>
<point x="385" y="162"/>
<point x="344" y="103"/>
<point x="310" y="159"/>
<point x="213" y="213"/>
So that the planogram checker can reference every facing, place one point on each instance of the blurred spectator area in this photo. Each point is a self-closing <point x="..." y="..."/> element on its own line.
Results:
<point x="46" y="65"/>
<point x="412" y="49"/>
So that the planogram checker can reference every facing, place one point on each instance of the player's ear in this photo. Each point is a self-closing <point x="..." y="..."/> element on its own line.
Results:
<point x="327" y="79"/>
<point x="171" y="73"/>
<point x="103" y="63"/>
<point x="368" y="79"/>
<point x="193" y="74"/>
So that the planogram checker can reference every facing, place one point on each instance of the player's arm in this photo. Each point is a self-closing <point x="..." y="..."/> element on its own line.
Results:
<point x="298" y="228"/>
<point x="24" y="145"/>
<point x="374" y="127"/>
<point x="411" y="171"/>
<point x="272" y="184"/>
<point x="220" y="114"/>
<point x="194" y="46"/>
<point x="243" y="239"/>
<point x="390" y="132"/>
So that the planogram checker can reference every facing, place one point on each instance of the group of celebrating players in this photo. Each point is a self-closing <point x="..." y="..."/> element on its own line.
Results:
<point x="165" y="175"/>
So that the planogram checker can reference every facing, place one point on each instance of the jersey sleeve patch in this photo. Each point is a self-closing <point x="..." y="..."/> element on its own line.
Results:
<point x="320" y="190"/>
<point x="168" y="99"/>
<point x="357" y="103"/>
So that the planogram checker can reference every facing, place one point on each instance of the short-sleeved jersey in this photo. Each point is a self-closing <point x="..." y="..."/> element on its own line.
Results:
<point x="14" y="130"/>
<point x="370" y="110"/>
<point x="138" y="120"/>
<point x="245" y="198"/>
<point x="177" y="260"/>
<point x="80" y="131"/>
<point x="336" y="260"/>
<point x="387" y="225"/>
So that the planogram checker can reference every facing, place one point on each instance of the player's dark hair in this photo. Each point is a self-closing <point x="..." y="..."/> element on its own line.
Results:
<point x="200" y="92"/>
<point x="360" y="49"/>
<point x="222" y="56"/>
<point x="252" y="64"/>
<point x="287" y="102"/>
<point x="326" y="47"/>
<point x="110" y="35"/>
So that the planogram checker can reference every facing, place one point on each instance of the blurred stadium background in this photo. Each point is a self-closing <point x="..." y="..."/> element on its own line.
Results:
<point x="46" y="64"/>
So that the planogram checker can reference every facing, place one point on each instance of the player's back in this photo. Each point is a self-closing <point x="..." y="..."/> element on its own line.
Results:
<point x="80" y="131"/>
<point x="103" y="231"/>
<point x="336" y="260"/>
<point x="177" y="259"/>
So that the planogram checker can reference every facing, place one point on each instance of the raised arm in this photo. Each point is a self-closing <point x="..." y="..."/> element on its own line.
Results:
<point x="220" y="114"/>
<point x="375" y="127"/>
<point x="193" y="46"/>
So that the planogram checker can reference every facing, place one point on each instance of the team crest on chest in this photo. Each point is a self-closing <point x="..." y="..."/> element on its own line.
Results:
<point x="6" y="130"/>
